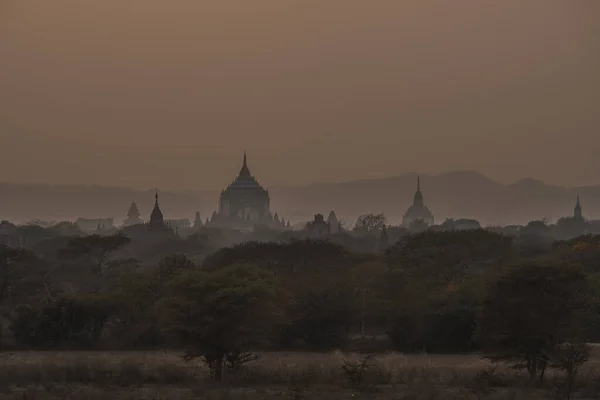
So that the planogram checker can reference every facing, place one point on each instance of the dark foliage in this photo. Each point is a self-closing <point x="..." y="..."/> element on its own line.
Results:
<point x="449" y="255"/>
<point x="95" y="250"/>
<point x="320" y="320"/>
<point x="448" y="331"/>
<point x="531" y="310"/>
<point x="295" y="256"/>
<point x="66" y="322"/>
<point x="440" y="292"/>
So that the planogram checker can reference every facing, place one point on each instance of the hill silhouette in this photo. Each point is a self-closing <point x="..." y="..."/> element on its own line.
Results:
<point x="458" y="194"/>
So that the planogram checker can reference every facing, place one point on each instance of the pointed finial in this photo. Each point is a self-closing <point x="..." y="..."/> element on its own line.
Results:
<point x="245" y="172"/>
<point x="418" y="183"/>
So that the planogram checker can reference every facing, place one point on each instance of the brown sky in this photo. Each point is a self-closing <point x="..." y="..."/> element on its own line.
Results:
<point x="169" y="93"/>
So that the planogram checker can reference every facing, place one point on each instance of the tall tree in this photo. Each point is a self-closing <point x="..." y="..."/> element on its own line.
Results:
<point x="368" y="280"/>
<point x="530" y="311"/>
<point x="221" y="314"/>
<point x="95" y="249"/>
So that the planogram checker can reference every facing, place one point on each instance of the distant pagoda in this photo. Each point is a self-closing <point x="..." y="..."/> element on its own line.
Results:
<point x="197" y="221"/>
<point x="157" y="221"/>
<point x="133" y="216"/>
<point x="417" y="214"/>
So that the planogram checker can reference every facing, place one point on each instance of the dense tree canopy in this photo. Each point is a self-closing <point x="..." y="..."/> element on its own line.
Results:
<point x="531" y="310"/>
<point x="434" y="291"/>
<point x="222" y="313"/>
<point x="451" y="255"/>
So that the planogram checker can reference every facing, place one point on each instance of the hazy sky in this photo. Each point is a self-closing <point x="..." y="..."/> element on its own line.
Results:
<point x="169" y="93"/>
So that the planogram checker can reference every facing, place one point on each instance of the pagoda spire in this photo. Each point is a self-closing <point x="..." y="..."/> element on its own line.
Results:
<point x="418" y="198"/>
<point x="577" y="212"/>
<point x="245" y="171"/>
<point x="156" y="217"/>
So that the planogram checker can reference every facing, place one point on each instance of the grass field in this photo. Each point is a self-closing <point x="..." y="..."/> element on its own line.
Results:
<point x="164" y="375"/>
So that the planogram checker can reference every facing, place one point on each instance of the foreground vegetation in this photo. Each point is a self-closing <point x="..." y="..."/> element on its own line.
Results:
<point x="164" y="375"/>
<point x="531" y="309"/>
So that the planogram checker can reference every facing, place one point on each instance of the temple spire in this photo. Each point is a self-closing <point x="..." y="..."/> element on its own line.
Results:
<point x="245" y="171"/>
<point x="577" y="212"/>
<point x="418" y="199"/>
<point x="156" y="217"/>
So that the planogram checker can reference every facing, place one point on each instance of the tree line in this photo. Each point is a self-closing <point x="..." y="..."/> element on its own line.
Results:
<point x="436" y="292"/>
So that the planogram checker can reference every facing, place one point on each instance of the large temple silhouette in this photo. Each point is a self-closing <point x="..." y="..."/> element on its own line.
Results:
<point x="245" y="204"/>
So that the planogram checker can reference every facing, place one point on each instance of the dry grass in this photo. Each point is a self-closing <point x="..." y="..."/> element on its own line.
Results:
<point x="164" y="375"/>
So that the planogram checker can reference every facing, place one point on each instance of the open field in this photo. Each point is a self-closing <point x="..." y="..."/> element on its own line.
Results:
<point x="164" y="375"/>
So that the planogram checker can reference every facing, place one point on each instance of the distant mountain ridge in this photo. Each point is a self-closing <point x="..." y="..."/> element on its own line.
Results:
<point x="457" y="194"/>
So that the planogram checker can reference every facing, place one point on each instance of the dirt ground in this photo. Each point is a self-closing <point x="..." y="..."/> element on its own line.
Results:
<point x="281" y="375"/>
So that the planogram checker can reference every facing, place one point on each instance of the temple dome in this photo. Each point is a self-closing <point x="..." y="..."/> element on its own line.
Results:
<point x="418" y="211"/>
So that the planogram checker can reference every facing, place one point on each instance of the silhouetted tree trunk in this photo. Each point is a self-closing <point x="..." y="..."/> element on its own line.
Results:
<point x="544" y="364"/>
<point x="363" y="313"/>
<point x="217" y="369"/>
<point x="532" y="368"/>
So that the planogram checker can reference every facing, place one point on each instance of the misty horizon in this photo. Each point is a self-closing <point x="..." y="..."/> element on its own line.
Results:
<point x="267" y="185"/>
<point x="449" y="195"/>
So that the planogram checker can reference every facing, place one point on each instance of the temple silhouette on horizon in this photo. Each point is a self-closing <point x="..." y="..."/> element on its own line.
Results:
<point x="245" y="204"/>
<point x="418" y="213"/>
